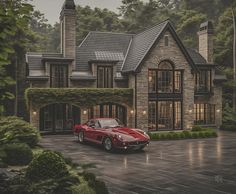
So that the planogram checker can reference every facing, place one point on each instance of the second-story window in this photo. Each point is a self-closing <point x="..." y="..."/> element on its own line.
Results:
<point x="165" y="79"/>
<point x="59" y="76"/>
<point x="104" y="77"/>
<point x="203" y="81"/>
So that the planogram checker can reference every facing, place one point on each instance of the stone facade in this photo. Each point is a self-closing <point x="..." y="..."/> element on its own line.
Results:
<point x="159" y="53"/>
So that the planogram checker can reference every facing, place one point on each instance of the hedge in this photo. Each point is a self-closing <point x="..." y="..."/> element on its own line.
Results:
<point x="206" y="133"/>
<point x="83" y="97"/>
<point x="228" y="127"/>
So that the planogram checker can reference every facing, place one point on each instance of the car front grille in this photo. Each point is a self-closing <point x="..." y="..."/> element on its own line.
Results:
<point x="137" y="142"/>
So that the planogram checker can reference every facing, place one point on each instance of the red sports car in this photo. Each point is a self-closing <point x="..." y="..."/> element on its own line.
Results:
<point x="111" y="134"/>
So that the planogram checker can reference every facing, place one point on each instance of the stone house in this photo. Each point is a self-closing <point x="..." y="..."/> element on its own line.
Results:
<point x="172" y="87"/>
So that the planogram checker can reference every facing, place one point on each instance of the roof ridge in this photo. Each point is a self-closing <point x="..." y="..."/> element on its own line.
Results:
<point x="117" y="33"/>
<point x="153" y="26"/>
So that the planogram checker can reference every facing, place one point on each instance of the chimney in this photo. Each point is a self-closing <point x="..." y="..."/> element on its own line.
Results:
<point x="68" y="29"/>
<point x="205" y="35"/>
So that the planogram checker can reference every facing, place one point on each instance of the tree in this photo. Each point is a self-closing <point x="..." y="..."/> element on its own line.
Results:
<point x="14" y="39"/>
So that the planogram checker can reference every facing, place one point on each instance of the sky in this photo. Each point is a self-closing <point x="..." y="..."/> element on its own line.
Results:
<point x="52" y="8"/>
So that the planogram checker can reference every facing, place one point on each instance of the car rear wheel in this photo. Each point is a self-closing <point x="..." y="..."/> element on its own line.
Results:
<point x="81" y="137"/>
<point x="107" y="143"/>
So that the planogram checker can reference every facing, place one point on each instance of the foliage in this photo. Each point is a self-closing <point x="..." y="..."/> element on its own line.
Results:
<point x="228" y="127"/>
<point x="88" y="96"/>
<point x="183" y="134"/>
<point x="14" y="129"/>
<point x="98" y="186"/>
<point x="17" y="154"/>
<point x="46" y="165"/>
<point x="14" y="39"/>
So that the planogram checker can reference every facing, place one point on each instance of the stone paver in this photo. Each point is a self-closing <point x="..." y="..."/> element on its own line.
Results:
<point x="204" y="166"/>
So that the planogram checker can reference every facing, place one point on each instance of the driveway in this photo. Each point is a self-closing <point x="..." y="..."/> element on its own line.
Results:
<point x="204" y="166"/>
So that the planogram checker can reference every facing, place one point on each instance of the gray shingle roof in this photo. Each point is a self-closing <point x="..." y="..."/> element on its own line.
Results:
<point x="102" y="46"/>
<point x="141" y="44"/>
<point x="196" y="56"/>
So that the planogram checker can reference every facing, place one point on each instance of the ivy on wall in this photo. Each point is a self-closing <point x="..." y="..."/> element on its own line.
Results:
<point x="82" y="97"/>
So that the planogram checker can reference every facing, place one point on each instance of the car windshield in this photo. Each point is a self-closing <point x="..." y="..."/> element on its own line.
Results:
<point x="110" y="123"/>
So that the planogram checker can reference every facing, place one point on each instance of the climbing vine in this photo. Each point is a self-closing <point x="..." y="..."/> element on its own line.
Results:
<point x="82" y="97"/>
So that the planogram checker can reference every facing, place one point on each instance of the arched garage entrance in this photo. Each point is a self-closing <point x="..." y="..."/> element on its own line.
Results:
<point x="109" y="110"/>
<point x="59" y="117"/>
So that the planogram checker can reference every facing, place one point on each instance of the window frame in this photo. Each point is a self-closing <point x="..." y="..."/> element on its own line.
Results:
<point x="53" y="71"/>
<point x="207" y="84"/>
<point x="206" y="116"/>
<point x="173" y="78"/>
<point x="105" y="75"/>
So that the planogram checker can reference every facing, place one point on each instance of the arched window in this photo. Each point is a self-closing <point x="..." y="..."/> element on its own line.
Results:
<point x="165" y="79"/>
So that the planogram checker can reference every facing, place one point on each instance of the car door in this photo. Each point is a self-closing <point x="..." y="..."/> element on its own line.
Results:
<point x="98" y="132"/>
<point x="89" y="131"/>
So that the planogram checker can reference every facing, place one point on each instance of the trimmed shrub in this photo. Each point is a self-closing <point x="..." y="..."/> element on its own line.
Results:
<point x="228" y="127"/>
<point x="16" y="130"/>
<point x="46" y="165"/>
<point x="197" y="128"/>
<point x="17" y="154"/>
<point x="187" y="134"/>
<point x="98" y="186"/>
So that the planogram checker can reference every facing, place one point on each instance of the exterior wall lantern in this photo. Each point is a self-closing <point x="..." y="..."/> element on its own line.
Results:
<point x="34" y="113"/>
<point x="85" y="112"/>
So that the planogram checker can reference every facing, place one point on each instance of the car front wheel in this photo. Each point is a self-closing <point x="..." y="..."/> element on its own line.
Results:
<point x="81" y="137"/>
<point x="107" y="143"/>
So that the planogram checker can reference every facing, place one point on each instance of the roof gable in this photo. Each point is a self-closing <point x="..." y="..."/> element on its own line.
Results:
<point x="143" y="42"/>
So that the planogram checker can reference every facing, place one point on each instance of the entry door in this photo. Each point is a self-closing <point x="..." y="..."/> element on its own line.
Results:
<point x="165" y="115"/>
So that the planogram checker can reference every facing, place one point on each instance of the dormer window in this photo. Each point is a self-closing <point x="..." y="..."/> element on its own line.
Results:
<point x="166" y="40"/>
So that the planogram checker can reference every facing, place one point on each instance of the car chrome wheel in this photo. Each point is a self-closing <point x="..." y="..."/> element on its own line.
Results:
<point x="107" y="144"/>
<point x="81" y="136"/>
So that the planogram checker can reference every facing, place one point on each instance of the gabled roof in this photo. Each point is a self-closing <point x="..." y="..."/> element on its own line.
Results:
<point x="102" y="46"/>
<point x="143" y="42"/>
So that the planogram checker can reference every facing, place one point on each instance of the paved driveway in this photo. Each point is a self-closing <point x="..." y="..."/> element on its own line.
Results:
<point x="204" y="166"/>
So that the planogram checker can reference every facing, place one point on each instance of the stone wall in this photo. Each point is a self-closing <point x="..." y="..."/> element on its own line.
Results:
<point x="159" y="53"/>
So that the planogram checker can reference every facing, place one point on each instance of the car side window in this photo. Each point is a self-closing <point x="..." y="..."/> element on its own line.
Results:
<point x="91" y="123"/>
<point x="97" y="124"/>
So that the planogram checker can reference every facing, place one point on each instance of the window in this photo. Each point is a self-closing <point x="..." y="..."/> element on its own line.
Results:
<point x="165" y="115"/>
<point x="204" y="114"/>
<point x="108" y="111"/>
<point x="166" y="40"/>
<point x="165" y="79"/>
<point x="203" y="81"/>
<point x="104" y="77"/>
<point x="59" y="76"/>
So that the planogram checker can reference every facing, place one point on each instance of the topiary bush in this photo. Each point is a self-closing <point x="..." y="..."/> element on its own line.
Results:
<point x="17" y="154"/>
<point x="46" y="165"/>
<point x="14" y="129"/>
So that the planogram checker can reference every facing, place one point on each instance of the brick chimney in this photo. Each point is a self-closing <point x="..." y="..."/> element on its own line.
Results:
<point x="68" y="29"/>
<point x="205" y="35"/>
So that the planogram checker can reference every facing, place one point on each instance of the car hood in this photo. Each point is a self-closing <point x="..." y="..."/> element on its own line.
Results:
<point x="129" y="134"/>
